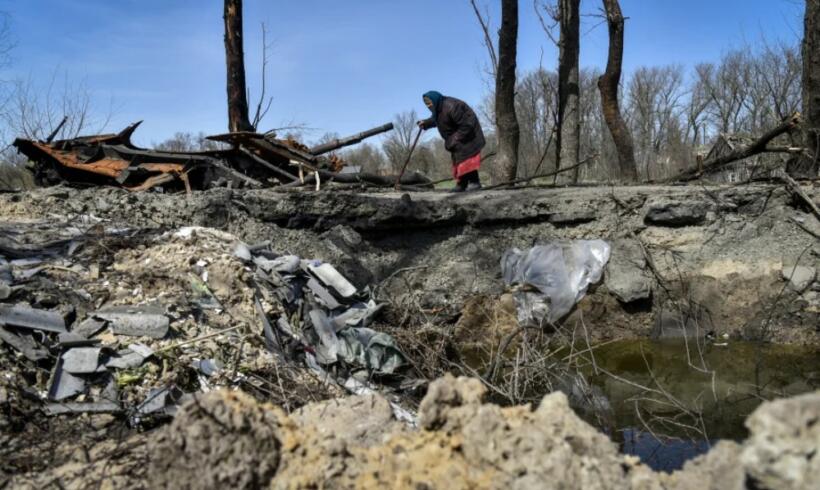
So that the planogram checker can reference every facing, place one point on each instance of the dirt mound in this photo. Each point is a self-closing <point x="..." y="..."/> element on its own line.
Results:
<point x="219" y="440"/>
<point x="226" y="439"/>
<point x="465" y="443"/>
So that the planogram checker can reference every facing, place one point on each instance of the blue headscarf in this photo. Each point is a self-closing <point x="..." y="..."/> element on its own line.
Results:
<point x="434" y="97"/>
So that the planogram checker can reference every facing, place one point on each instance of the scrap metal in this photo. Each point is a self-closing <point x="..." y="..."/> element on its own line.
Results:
<point x="245" y="160"/>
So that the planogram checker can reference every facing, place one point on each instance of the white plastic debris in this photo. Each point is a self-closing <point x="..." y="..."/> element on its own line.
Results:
<point x="332" y="278"/>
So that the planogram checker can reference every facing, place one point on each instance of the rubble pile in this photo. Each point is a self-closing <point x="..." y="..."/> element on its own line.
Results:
<point x="225" y="439"/>
<point x="243" y="160"/>
<point x="96" y="319"/>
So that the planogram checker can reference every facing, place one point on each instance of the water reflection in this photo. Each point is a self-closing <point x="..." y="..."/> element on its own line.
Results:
<point x="692" y="392"/>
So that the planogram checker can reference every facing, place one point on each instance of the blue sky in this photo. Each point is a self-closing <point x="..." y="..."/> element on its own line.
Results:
<point x="340" y="66"/>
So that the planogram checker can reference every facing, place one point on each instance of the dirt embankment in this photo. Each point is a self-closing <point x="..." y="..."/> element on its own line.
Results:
<point x="227" y="440"/>
<point x="728" y="260"/>
<point x="736" y="261"/>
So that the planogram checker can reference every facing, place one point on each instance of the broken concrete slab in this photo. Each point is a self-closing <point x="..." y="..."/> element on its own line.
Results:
<point x="134" y="356"/>
<point x="64" y="384"/>
<point x="26" y="345"/>
<point x="27" y="317"/>
<point x="159" y="400"/>
<point x="665" y="212"/>
<point x="626" y="276"/>
<point x="89" y="327"/>
<point x="81" y="360"/>
<point x="71" y="339"/>
<point x="800" y="277"/>
<point x="136" y="321"/>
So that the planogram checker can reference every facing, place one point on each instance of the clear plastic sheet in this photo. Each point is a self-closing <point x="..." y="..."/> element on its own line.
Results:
<point x="553" y="277"/>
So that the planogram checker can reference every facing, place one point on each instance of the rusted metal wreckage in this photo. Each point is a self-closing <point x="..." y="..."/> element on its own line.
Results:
<point x="247" y="160"/>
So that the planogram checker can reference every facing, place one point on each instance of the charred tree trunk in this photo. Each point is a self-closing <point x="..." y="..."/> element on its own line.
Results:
<point x="608" y="86"/>
<point x="506" y="119"/>
<point x="807" y="167"/>
<point x="569" y="121"/>
<point x="235" y="63"/>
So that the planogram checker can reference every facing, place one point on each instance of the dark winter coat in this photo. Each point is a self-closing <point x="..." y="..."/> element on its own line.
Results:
<point x="458" y="125"/>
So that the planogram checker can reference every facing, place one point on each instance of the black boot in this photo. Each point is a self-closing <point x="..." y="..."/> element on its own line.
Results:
<point x="473" y="181"/>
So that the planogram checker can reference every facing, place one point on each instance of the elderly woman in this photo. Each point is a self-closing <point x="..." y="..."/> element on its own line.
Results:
<point x="463" y="137"/>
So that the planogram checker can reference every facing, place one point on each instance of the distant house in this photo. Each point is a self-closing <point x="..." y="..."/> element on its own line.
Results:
<point x="759" y="166"/>
<point x="351" y="169"/>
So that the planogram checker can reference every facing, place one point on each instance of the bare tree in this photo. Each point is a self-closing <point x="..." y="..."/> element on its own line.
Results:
<point x="263" y="105"/>
<point x="569" y="90"/>
<point x="188" y="142"/>
<point x="608" y="85"/>
<point x="809" y="167"/>
<point x="366" y="156"/>
<point x="654" y="104"/>
<point x="536" y="109"/>
<point x="235" y="63"/>
<point x="398" y="142"/>
<point x="696" y="123"/>
<point x="484" y="22"/>
<point x="34" y="112"/>
<point x="506" y="120"/>
<point x="727" y="87"/>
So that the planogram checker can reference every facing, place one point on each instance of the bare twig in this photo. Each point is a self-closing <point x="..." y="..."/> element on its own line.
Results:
<point x="488" y="40"/>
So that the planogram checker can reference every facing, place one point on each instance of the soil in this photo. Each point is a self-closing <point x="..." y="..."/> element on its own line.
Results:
<point x="436" y="251"/>
<point x="226" y="439"/>
<point x="731" y="262"/>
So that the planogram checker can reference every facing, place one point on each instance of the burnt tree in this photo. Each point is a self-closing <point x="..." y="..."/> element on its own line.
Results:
<point x="807" y="166"/>
<point x="506" y="120"/>
<point x="569" y="95"/>
<point x="608" y="86"/>
<point x="235" y="63"/>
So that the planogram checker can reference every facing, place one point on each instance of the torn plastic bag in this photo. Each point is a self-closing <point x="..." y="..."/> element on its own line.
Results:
<point x="376" y="351"/>
<point x="561" y="272"/>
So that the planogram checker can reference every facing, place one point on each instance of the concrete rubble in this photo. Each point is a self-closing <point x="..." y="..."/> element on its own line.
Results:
<point x="304" y="308"/>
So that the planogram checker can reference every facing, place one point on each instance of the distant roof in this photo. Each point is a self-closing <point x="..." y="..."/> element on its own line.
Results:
<point x="351" y="169"/>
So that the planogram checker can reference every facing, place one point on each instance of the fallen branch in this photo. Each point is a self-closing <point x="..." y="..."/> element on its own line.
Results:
<point x="540" y="176"/>
<point x="268" y="165"/>
<point x="804" y="228"/>
<point x="756" y="147"/>
<point x="798" y="191"/>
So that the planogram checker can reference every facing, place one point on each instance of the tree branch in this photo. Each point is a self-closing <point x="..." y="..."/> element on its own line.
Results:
<point x="756" y="147"/>
<point x="488" y="40"/>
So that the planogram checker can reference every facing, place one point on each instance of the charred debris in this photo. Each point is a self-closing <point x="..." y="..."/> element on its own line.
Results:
<point x="246" y="160"/>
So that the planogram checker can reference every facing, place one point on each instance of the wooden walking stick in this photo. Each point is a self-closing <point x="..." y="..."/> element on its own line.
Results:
<point x="406" y="162"/>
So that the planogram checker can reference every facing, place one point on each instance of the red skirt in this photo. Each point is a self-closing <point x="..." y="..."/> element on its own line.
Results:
<point x="466" y="166"/>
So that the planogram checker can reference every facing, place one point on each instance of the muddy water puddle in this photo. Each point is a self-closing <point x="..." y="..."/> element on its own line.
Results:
<point x="667" y="402"/>
<point x="670" y="401"/>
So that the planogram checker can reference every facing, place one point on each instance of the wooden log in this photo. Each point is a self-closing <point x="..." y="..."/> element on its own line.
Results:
<point x="350" y="140"/>
<point x="273" y="168"/>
